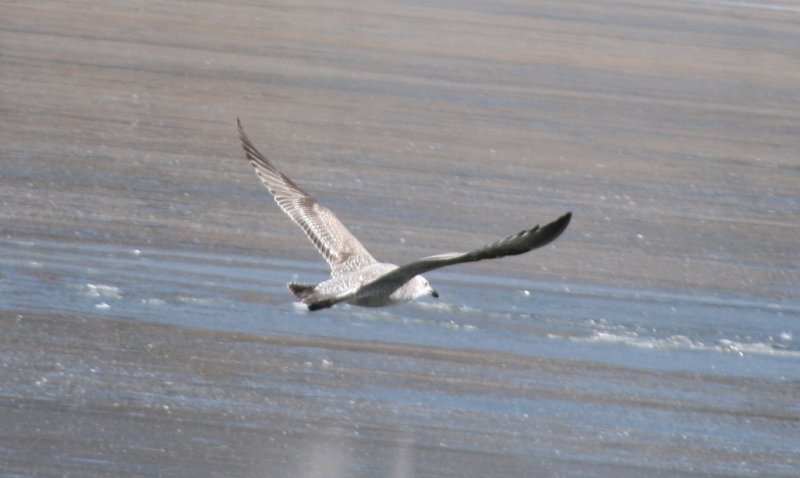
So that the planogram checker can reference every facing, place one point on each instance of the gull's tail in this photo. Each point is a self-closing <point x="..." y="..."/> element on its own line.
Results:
<point x="313" y="298"/>
<point x="301" y="291"/>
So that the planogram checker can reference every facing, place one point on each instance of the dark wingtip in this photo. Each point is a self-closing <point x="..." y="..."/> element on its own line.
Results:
<point x="550" y="232"/>
<point x="240" y="129"/>
<point x="560" y="224"/>
<point x="250" y="150"/>
<point x="566" y="218"/>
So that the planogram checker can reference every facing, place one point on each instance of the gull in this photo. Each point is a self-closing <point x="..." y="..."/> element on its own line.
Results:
<point x="356" y="277"/>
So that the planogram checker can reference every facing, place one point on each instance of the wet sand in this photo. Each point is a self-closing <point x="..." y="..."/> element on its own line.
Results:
<point x="146" y="329"/>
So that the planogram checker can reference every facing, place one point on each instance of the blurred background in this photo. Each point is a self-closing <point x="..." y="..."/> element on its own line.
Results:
<point x="146" y="325"/>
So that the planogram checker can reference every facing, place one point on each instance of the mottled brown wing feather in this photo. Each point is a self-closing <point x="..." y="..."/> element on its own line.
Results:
<point x="342" y="251"/>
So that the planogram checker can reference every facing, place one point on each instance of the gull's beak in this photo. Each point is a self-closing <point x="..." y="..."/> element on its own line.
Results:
<point x="434" y="293"/>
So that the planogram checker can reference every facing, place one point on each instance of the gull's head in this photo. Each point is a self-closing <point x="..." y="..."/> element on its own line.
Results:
<point x="423" y="288"/>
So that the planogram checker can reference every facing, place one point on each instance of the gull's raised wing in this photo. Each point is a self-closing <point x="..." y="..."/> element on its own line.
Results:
<point x="337" y="245"/>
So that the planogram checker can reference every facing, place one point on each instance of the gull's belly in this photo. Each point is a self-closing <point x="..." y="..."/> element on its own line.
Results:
<point x="376" y="298"/>
<point x="353" y="281"/>
<point x="370" y="296"/>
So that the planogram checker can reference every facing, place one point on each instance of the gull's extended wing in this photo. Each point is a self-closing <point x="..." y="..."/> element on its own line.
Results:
<point x="520" y="243"/>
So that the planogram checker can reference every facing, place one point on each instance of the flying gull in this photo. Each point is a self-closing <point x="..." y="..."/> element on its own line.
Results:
<point x="356" y="277"/>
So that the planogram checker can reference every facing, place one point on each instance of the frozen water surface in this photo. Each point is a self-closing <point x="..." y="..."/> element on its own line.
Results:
<point x="747" y="336"/>
<point x="146" y="328"/>
<point x="551" y="374"/>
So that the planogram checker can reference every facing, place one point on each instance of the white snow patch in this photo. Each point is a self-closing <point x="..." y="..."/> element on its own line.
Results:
<point x="101" y="290"/>
<point x="153" y="301"/>
<point x="676" y="342"/>
<point x="194" y="300"/>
